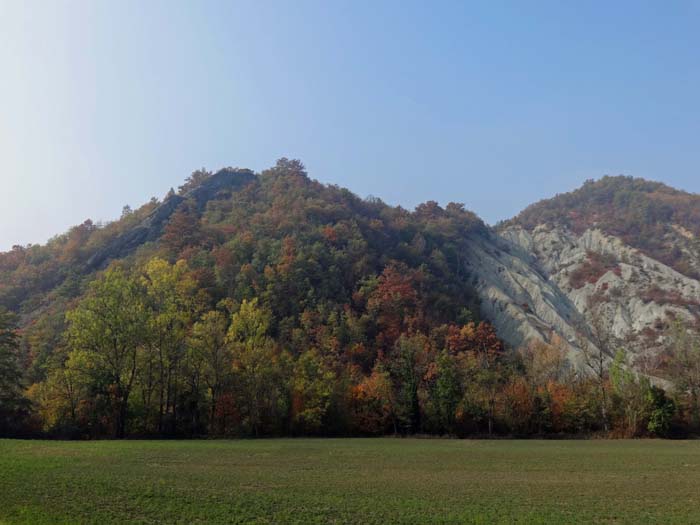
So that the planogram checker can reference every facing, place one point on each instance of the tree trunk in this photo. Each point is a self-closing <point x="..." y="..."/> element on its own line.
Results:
<point x="120" y="431"/>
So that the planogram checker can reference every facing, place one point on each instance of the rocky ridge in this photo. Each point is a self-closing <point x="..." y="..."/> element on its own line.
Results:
<point x="550" y="280"/>
<point x="150" y="229"/>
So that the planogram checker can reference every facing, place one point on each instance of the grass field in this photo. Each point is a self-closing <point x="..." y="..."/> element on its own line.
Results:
<point x="350" y="481"/>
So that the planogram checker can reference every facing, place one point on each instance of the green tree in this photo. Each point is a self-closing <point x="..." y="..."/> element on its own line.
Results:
<point x="107" y="328"/>
<point x="685" y="367"/>
<point x="407" y="366"/>
<point x="630" y="391"/>
<point x="210" y="349"/>
<point x="195" y="179"/>
<point x="257" y="366"/>
<point x="14" y="406"/>
<point x="447" y="392"/>
<point x="312" y="386"/>
<point x="661" y="412"/>
<point x="58" y="397"/>
<point x="170" y="307"/>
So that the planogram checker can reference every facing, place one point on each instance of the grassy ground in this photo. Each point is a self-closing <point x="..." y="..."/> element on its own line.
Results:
<point x="350" y="481"/>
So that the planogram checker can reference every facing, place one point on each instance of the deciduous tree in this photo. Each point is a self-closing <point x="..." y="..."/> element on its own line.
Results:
<point x="107" y="327"/>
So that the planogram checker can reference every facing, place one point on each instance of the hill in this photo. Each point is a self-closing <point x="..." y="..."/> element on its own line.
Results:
<point x="332" y="277"/>
<point x="625" y="252"/>
<point x="661" y="222"/>
<point x="271" y="304"/>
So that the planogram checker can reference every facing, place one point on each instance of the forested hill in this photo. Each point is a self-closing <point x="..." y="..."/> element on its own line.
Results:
<point x="235" y="229"/>
<point x="270" y="304"/>
<point x="328" y="272"/>
<point x="660" y="221"/>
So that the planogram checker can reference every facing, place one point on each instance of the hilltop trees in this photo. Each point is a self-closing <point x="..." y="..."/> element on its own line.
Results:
<point x="194" y="180"/>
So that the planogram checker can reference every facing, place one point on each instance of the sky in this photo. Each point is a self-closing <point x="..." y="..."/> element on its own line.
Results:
<point x="493" y="104"/>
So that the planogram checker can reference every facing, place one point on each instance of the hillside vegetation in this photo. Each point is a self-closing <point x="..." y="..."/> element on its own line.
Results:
<point x="271" y="304"/>
<point x="649" y="216"/>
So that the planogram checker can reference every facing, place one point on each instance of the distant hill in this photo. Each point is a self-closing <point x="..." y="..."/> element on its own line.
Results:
<point x="661" y="222"/>
<point x="625" y="252"/>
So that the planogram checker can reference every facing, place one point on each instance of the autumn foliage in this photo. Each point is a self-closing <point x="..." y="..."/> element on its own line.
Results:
<point x="284" y="308"/>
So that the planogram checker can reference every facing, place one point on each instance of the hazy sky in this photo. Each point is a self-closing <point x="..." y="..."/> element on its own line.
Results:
<point x="494" y="104"/>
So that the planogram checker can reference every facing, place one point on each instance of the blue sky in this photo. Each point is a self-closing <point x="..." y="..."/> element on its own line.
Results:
<point x="494" y="104"/>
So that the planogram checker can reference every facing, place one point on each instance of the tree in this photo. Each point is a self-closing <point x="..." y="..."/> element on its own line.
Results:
<point x="490" y="374"/>
<point x="661" y="411"/>
<point x="392" y="300"/>
<point x="545" y="363"/>
<point x="14" y="406"/>
<point x="210" y="348"/>
<point x="598" y="345"/>
<point x="373" y="402"/>
<point x="407" y="365"/>
<point x="107" y="328"/>
<point x="170" y="306"/>
<point x="519" y="406"/>
<point x="545" y="369"/>
<point x="479" y="356"/>
<point x="182" y="230"/>
<point x="257" y="366"/>
<point x="632" y="394"/>
<point x="58" y="397"/>
<point x="447" y="391"/>
<point x="684" y="349"/>
<point x="285" y="166"/>
<point x="194" y="180"/>
<point x="312" y="386"/>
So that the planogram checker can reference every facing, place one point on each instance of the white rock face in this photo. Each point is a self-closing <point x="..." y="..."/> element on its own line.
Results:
<point x="525" y="282"/>
<point x="518" y="298"/>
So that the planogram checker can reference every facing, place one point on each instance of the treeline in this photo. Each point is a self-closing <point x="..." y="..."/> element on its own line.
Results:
<point x="144" y="356"/>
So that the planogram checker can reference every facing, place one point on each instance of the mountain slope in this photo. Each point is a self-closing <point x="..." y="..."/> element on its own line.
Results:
<point x="151" y="228"/>
<point x="603" y="252"/>
<point x="305" y="249"/>
<point x="624" y="252"/>
<point x="661" y="222"/>
<point x="272" y="304"/>
<point x="518" y="298"/>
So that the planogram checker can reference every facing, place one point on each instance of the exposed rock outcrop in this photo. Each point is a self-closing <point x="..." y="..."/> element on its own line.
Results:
<point x="151" y="228"/>
<point x="518" y="298"/>
<point x="551" y="280"/>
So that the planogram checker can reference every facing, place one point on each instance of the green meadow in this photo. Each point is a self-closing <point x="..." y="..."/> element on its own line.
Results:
<point x="350" y="481"/>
